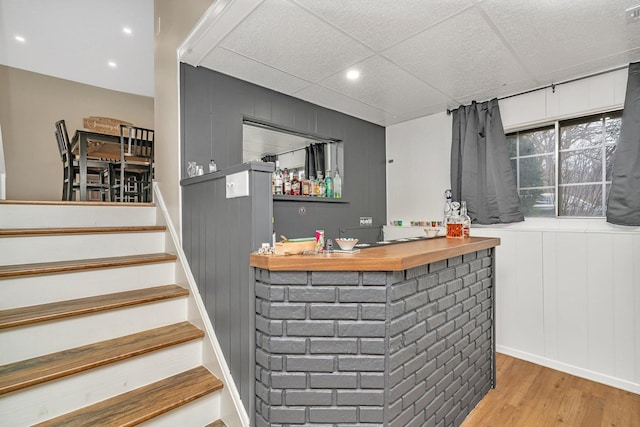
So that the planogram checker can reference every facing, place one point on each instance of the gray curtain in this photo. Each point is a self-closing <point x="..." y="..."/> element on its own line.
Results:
<point x="623" y="207"/>
<point x="481" y="172"/>
<point x="314" y="160"/>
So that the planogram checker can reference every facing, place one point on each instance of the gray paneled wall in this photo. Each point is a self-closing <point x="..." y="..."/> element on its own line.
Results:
<point x="218" y="236"/>
<point x="213" y="107"/>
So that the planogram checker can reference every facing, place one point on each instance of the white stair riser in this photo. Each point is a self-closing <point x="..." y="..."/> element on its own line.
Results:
<point x="59" y="216"/>
<point x="34" y="249"/>
<point x="34" y="290"/>
<point x="200" y="412"/>
<point x="54" y="398"/>
<point x="49" y="337"/>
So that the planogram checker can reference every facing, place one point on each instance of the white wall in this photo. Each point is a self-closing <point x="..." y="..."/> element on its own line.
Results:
<point x="568" y="290"/>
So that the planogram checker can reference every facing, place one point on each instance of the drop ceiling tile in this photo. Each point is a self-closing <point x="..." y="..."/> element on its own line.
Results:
<point x="379" y="24"/>
<point x="561" y="34"/>
<point x="460" y="56"/>
<point x="329" y="99"/>
<point x="233" y="64"/>
<point x="284" y="36"/>
<point x="386" y="86"/>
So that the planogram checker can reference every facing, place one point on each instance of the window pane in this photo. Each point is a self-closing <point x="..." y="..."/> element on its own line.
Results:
<point x="539" y="202"/>
<point x="612" y="124"/>
<point x="537" y="171"/>
<point x="581" y="200"/>
<point x="610" y="153"/>
<point x="581" y="166"/>
<point x="512" y="140"/>
<point x="581" y="135"/>
<point x="537" y="142"/>
<point x="514" y="166"/>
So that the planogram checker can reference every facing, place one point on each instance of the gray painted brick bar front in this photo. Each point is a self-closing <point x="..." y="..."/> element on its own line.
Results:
<point x="408" y="348"/>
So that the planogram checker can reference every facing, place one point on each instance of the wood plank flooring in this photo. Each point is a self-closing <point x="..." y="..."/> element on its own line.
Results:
<point x="529" y="395"/>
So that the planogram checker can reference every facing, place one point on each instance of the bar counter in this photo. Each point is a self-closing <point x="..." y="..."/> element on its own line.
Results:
<point x="395" y="335"/>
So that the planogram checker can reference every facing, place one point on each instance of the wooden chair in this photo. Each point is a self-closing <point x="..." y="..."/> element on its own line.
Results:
<point x="131" y="177"/>
<point x="95" y="168"/>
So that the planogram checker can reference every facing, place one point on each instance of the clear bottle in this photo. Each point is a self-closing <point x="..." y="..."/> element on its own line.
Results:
<point x="466" y="219"/>
<point x="328" y="181"/>
<point x="212" y="166"/>
<point x="313" y="186"/>
<point x="322" y="187"/>
<point x="279" y="179"/>
<point x="447" y="207"/>
<point x="337" y="185"/>
<point x="286" y="184"/>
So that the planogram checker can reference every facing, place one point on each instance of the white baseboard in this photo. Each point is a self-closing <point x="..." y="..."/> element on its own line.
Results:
<point x="570" y="369"/>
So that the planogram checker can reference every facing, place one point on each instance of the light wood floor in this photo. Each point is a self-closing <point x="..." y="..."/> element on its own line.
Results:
<point x="530" y="395"/>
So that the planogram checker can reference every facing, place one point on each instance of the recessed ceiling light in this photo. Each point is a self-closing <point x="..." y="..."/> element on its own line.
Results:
<point x="353" y="74"/>
<point x="112" y="64"/>
<point x="20" y="39"/>
<point x="127" y="30"/>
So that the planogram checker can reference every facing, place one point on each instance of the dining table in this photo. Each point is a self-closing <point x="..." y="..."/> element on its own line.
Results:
<point x="87" y="144"/>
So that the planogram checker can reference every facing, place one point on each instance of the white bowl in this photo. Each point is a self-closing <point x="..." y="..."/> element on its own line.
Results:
<point x="346" y="244"/>
<point x="432" y="231"/>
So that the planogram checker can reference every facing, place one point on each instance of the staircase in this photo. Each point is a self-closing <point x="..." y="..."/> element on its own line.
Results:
<point x="99" y="324"/>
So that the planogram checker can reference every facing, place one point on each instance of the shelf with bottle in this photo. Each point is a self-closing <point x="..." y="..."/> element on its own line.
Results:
<point x="293" y="186"/>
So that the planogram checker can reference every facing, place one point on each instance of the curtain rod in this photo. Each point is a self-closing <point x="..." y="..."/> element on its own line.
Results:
<point x="553" y="85"/>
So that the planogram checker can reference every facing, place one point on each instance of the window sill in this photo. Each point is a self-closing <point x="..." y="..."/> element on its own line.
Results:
<point x="308" y="199"/>
<point x="568" y="225"/>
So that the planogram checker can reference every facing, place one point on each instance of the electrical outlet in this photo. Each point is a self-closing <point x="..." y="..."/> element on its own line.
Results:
<point x="366" y="220"/>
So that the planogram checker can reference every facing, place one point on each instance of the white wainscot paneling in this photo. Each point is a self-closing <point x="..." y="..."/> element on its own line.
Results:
<point x="570" y="300"/>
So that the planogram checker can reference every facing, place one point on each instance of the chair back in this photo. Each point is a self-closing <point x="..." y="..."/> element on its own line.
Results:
<point x="136" y="142"/>
<point x="64" y="149"/>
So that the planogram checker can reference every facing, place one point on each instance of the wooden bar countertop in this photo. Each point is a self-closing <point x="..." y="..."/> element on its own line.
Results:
<point x="392" y="257"/>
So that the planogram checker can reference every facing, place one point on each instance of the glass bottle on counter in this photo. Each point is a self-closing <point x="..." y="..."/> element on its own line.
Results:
<point x="455" y="223"/>
<point x="447" y="207"/>
<point x="466" y="219"/>
<point x="322" y="187"/>
<point x="328" y="181"/>
<point x="337" y="185"/>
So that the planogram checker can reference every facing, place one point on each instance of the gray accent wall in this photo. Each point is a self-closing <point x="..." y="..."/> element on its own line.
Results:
<point x="218" y="236"/>
<point x="213" y="108"/>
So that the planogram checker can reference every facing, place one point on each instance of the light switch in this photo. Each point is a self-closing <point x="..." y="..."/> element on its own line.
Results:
<point x="237" y="185"/>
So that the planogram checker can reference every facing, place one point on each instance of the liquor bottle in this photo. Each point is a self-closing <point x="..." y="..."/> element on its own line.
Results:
<point x="306" y="186"/>
<point x="328" y="181"/>
<point x="279" y="179"/>
<point x="212" y="166"/>
<point x="313" y="186"/>
<point x="286" y="185"/>
<point x="466" y="219"/>
<point x="295" y="184"/>
<point x="322" y="186"/>
<point x="337" y="185"/>
<point x="454" y="223"/>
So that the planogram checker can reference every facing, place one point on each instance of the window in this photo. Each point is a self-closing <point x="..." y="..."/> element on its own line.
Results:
<point x="564" y="169"/>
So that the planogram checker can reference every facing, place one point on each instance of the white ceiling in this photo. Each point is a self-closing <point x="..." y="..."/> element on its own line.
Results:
<point x="75" y="40"/>
<point x="416" y="57"/>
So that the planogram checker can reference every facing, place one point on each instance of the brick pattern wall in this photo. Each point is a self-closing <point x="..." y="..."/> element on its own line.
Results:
<point x="440" y="341"/>
<point x="374" y="348"/>
<point x="320" y="356"/>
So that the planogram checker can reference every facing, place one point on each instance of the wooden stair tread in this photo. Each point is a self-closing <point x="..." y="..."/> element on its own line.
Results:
<point x="26" y="373"/>
<point x="15" y="232"/>
<point x="217" y="423"/>
<point x="78" y="265"/>
<point x="57" y="310"/>
<point x="144" y="403"/>
<point x="75" y="203"/>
